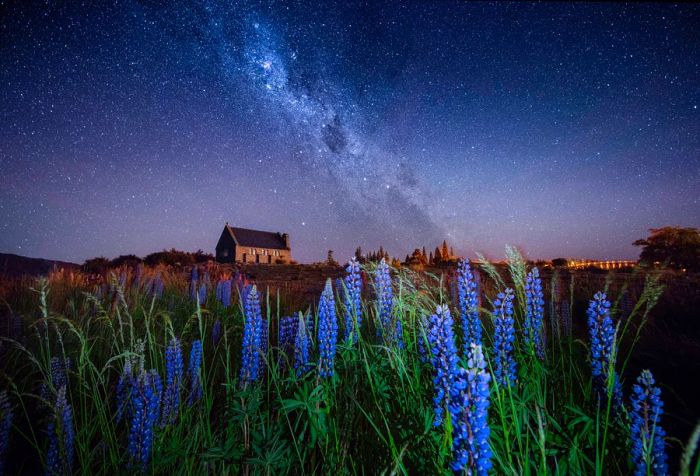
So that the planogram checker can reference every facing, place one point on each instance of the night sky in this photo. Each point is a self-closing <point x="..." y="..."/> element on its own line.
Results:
<point x="567" y="130"/>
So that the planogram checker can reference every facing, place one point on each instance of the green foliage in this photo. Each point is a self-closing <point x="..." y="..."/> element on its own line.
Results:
<point x="374" y="416"/>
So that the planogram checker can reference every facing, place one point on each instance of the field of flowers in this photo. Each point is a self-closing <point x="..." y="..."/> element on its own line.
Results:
<point x="389" y="372"/>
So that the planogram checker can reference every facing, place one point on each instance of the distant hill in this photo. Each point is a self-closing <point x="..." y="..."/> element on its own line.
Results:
<point x="15" y="265"/>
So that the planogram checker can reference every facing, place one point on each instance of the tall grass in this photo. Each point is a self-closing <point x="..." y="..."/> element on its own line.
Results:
<point x="374" y="415"/>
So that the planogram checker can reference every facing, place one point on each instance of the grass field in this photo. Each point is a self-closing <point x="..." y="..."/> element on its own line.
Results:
<point x="106" y="378"/>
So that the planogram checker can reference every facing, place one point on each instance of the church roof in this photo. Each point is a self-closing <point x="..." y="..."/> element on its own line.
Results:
<point x="257" y="238"/>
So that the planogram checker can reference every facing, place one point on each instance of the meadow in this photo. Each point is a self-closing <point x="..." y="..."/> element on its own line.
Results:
<point x="200" y="371"/>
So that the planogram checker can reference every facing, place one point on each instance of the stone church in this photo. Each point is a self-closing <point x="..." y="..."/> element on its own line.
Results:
<point x="242" y="245"/>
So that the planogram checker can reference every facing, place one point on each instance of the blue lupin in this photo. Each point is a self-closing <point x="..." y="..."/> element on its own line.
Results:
<point x="6" y="416"/>
<point x="123" y="391"/>
<point x="443" y="358"/>
<point x="505" y="368"/>
<point x="287" y="334"/>
<point x="216" y="332"/>
<point x="327" y="331"/>
<point x="646" y="434"/>
<point x="468" y="305"/>
<point x="602" y="334"/>
<point x="389" y="326"/>
<point x="202" y="295"/>
<point x="469" y="405"/>
<point x="174" y="374"/>
<point x="302" y="347"/>
<point x="353" y="301"/>
<point x="252" y="336"/>
<point x="194" y="372"/>
<point x="61" y="433"/>
<point x="223" y="292"/>
<point x="534" y="313"/>
<point x="146" y="409"/>
<point x="194" y="279"/>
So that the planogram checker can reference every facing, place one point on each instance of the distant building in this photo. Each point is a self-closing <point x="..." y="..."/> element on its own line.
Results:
<point x="602" y="264"/>
<point x="241" y="245"/>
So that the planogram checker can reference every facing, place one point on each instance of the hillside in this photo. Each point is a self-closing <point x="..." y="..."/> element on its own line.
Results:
<point x="15" y="265"/>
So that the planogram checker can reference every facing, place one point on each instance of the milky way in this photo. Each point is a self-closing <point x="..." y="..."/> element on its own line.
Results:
<point x="378" y="185"/>
<point x="134" y="126"/>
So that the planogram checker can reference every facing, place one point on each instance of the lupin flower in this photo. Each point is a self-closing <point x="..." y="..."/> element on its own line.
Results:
<point x="202" y="296"/>
<point x="138" y="275"/>
<point x="158" y="286"/>
<point x="310" y="329"/>
<point x="468" y="305"/>
<point x="194" y="278"/>
<point x="505" y="368"/>
<point x="6" y="415"/>
<point x="420" y="340"/>
<point x="174" y="374"/>
<point x="223" y="292"/>
<point x="252" y="334"/>
<point x="216" y="332"/>
<point x="287" y="333"/>
<point x="566" y="317"/>
<point x="339" y="288"/>
<point x="146" y="409"/>
<point x="469" y="405"/>
<point x="61" y="433"/>
<point x="353" y="302"/>
<point x="59" y="376"/>
<point x="534" y="315"/>
<point x="398" y="332"/>
<point x="602" y="333"/>
<point x="454" y="290"/>
<point x="124" y="387"/>
<point x="327" y="331"/>
<point x="647" y="436"/>
<point x="122" y="279"/>
<point x="194" y="371"/>
<point x="158" y="388"/>
<point x="302" y="346"/>
<point x="443" y="357"/>
<point x="385" y="296"/>
<point x="385" y="306"/>
<point x="226" y="293"/>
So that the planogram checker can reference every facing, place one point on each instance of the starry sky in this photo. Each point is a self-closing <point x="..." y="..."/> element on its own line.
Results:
<point x="129" y="127"/>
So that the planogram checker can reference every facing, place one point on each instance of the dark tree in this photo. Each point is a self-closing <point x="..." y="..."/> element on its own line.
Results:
<point x="416" y="258"/>
<point x="671" y="246"/>
<point x="559" y="262"/>
<point x="329" y="260"/>
<point x="358" y="255"/>
<point x="445" y="252"/>
<point x="96" y="265"/>
<point x="171" y="257"/>
<point x="438" y="256"/>
<point x="129" y="260"/>
<point x="202" y="257"/>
